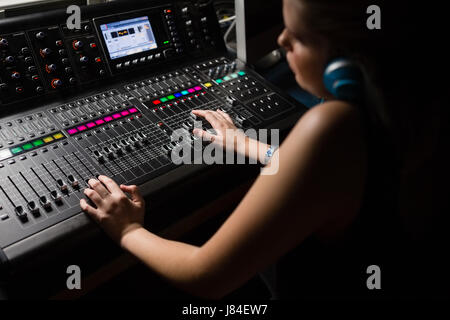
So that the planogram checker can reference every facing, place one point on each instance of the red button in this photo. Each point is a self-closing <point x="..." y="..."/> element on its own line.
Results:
<point x="156" y="102"/>
<point x="98" y="60"/>
<point x="93" y="45"/>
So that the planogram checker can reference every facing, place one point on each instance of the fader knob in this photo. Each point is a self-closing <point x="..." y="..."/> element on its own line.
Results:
<point x="56" y="196"/>
<point x="33" y="208"/>
<point x="56" y="83"/>
<point x="77" y="44"/>
<point x="45" y="203"/>
<point x="21" y="214"/>
<point x="45" y="52"/>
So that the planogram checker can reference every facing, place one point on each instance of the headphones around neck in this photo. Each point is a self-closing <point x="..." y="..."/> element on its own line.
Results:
<point x="343" y="78"/>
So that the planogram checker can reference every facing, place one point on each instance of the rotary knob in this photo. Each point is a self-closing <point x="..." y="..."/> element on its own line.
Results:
<point x="84" y="59"/>
<point x="56" y="83"/>
<point x="40" y="35"/>
<point x="3" y="43"/>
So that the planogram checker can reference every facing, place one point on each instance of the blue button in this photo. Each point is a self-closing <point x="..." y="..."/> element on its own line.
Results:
<point x="177" y="95"/>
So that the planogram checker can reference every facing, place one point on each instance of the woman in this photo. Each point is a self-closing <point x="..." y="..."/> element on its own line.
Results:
<point x="331" y="171"/>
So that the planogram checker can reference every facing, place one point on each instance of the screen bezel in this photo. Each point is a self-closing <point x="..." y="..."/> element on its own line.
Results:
<point x="158" y="24"/>
<point x="143" y="19"/>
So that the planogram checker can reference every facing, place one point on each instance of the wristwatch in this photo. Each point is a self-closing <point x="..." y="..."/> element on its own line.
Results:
<point x="269" y="154"/>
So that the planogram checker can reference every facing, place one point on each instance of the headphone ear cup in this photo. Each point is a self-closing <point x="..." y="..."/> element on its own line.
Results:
<point x="344" y="80"/>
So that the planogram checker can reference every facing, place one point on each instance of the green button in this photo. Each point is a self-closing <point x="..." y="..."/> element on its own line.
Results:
<point x="219" y="80"/>
<point x="27" y="146"/>
<point x="38" y="143"/>
<point x="234" y="75"/>
<point x="171" y="97"/>
<point x="163" y="100"/>
<point x="241" y="73"/>
<point x="227" y="78"/>
<point x="16" y="150"/>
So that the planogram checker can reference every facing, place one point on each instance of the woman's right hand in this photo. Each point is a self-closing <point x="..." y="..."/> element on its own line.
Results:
<point x="228" y="135"/>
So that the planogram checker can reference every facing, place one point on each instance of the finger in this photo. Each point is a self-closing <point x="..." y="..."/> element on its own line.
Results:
<point x="214" y="119"/>
<point x="210" y="116"/>
<point x="200" y="113"/>
<point x="94" y="196"/>
<point x="99" y="188"/>
<point x="134" y="192"/>
<point x="112" y="186"/>
<point x="91" y="211"/>
<point x="225" y="115"/>
<point x="206" y="136"/>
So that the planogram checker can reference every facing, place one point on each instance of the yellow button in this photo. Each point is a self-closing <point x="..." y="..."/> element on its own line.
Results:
<point x="208" y="84"/>
<point x="58" y="136"/>
<point x="48" y="139"/>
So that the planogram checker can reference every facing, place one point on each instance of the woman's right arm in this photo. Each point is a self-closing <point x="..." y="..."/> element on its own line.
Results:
<point x="229" y="136"/>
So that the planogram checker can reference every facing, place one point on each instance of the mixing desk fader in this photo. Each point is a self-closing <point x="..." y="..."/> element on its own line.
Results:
<point x="105" y="99"/>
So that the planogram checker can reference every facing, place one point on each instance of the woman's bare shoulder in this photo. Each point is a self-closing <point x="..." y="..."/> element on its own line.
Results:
<point x="333" y="117"/>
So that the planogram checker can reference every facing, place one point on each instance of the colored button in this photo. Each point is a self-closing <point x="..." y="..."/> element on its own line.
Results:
<point x="108" y="118"/>
<point x="58" y="136"/>
<point x="99" y="122"/>
<point x="184" y="92"/>
<point x="116" y="116"/>
<point x="125" y="113"/>
<point x="16" y="150"/>
<point x="133" y="110"/>
<point x="156" y="102"/>
<point x="48" y="139"/>
<point x="234" y="75"/>
<point x="227" y="78"/>
<point x="208" y="85"/>
<point x="80" y="128"/>
<point x="219" y="80"/>
<point x="171" y="97"/>
<point x="177" y="95"/>
<point x="70" y="131"/>
<point x="90" y="125"/>
<point x="164" y="100"/>
<point x="27" y="146"/>
<point x="241" y="73"/>
<point x="191" y="90"/>
<point x="198" y="88"/>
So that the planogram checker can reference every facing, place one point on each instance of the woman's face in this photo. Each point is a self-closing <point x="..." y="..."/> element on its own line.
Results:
<point x="306" y="53"/>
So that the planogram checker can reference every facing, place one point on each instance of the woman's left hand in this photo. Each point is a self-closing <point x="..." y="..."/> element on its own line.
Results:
<point x="115" y="213"/>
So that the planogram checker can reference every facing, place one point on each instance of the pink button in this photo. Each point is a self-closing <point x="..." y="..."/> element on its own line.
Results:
<point x="81" y="128"/>
<point x="198" y="88"/>
<point x="91" y="125"/>
<point x="191" y="90"/>
<point x="72" y="131"/>
<point x="133" y="110"/>
<point x="125" y="113"/>
<point x="99" y="121"/>
<point x="108" y="119"/>
<point x="116" y="116"/>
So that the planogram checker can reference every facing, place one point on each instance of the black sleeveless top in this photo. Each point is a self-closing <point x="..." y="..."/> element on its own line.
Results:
<point x="322" y="270"/>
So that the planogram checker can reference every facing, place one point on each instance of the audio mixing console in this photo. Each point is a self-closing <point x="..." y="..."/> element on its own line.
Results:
<point x="105" y="99"/>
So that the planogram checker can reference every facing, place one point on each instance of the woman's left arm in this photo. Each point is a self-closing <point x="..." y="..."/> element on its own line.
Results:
<point x="320" y="179"/>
